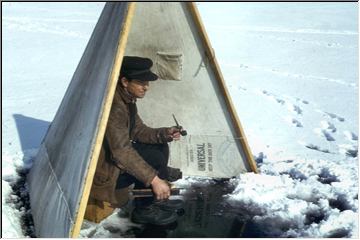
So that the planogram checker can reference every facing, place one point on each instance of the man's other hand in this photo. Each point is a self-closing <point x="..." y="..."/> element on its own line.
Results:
<point x="160" y="188"/>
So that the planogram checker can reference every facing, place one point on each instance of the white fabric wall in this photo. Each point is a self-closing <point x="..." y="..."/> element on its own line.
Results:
<point x="195" y="99"/>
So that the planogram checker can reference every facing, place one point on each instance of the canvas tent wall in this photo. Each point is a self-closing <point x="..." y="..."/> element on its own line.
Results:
<point x="191" y="86"/>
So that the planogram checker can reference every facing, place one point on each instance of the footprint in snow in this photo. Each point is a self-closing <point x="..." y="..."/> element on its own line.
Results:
<point x="348" y="150"/>
<point x="325" y="125"/>
<point x="326" y="129"/>
<point x="325" y="133"/>
<point x="273" y="97"/>
<point x="282" y="102"/>
<point x="334" y="116"/>
<point x="291" y="107"/>
<point x="315" y="147"/>
<point x="266" y="93"/>
<point x="294" y="108"/>
<point x="302" y="101"/>
<point x="293" y="121"/>
<point x="328" y="136"/>
<point x="351" y="136"/>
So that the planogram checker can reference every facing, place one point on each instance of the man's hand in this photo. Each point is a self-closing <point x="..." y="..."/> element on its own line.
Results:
<point x="174" y="133"/>
<point x="170" y="134"/>
<point x="160" y="188"/>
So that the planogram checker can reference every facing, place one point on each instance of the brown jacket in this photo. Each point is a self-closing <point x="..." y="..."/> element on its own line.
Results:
<point x="122" y="156"/>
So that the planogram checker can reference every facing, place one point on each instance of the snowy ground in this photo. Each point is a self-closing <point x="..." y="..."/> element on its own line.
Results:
<point x="292" y="71"/>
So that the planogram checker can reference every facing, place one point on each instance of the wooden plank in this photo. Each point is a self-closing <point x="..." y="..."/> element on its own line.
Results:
<point x="104" y="119"/>
<point x="211" y="56"/>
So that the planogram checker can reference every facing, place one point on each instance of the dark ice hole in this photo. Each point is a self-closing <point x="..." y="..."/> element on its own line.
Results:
<point x="22" y="202"/>
<point x="314" y="217"/>
<point x="340" y="203"/>
<point x="206" y="215"/>
<point x="296" y="174"/>
<point x="340" y="233"/>
<point x="352" y="153"/>
<point x="326" y="177"/>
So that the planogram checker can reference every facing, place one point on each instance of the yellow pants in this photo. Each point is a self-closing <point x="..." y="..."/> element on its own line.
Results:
<point x="97" y="210"/>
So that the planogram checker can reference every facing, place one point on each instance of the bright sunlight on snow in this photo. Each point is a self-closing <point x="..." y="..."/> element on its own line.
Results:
<point x="291" y="70"/>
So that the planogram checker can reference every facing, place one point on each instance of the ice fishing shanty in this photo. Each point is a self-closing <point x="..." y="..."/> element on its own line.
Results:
<point x="172" y="34"/>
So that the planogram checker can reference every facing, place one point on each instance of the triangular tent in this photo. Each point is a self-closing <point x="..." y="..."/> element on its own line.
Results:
<point x="191" y="87"/>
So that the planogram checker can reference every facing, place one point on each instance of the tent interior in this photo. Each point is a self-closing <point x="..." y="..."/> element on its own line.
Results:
<point x="189" y="86"/>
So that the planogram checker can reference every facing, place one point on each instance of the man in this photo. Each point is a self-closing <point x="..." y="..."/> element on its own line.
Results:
<point x="133" y="152"/>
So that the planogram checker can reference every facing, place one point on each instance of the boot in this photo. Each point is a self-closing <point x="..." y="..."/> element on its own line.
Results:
<point x="174" y="174"/>
<point x="153" y="214"/>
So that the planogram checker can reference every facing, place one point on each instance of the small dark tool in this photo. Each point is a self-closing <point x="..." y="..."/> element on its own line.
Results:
<point x="136" y="193"/>
<point x="182" y="132"/>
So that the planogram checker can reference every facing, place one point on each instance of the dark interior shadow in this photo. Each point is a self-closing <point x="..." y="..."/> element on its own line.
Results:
<point x="31" y="131"/>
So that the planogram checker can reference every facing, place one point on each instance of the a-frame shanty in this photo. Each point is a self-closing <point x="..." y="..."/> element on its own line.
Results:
<point x="191" y="86"/>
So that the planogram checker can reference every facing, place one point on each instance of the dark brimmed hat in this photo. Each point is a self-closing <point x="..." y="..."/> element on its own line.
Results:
<point x="137" y="68"/>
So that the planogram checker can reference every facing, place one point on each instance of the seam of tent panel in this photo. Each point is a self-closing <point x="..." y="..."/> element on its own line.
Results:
<point x="60" y="189"/>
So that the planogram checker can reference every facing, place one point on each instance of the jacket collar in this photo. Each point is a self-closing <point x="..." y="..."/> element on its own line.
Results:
<point x="127" y="98"/>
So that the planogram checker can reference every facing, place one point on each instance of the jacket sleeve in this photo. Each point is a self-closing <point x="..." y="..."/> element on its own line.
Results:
<point x="123" y="154"/>
<point x="145" y="134"/>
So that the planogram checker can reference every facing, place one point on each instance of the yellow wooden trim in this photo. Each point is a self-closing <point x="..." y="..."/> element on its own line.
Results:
<point x="104" y="119"/>
<point x="210" y="53"/>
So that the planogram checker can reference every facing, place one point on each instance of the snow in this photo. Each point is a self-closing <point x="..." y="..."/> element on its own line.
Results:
<point x="42" y="44"/>
<point x="11" y="227"/>
<point x="112" y="226"/>
<point x="295" y="88"/>
<point x="292" y="72"/>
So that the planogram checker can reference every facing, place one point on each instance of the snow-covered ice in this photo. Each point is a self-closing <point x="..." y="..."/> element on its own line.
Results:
<point x="294" y="81"/>
<point x="292" y="72"/>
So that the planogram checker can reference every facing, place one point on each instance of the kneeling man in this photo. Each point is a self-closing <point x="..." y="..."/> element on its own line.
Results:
<point x="133" y="152"/>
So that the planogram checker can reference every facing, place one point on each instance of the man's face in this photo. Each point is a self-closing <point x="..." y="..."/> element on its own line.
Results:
<point x="136" y="88"/>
